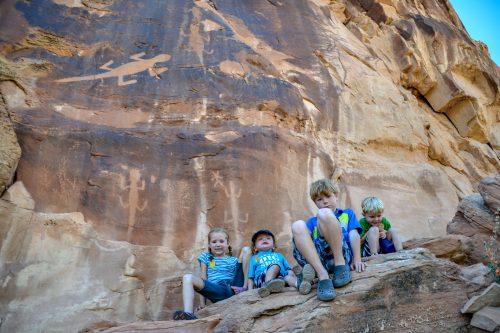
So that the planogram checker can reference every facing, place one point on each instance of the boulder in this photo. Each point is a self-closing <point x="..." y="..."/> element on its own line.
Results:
<point x="204" y="325"/>
<point x="456" y="248"/>
<point x="475" y="220"/>
<point x="397" y="292"/>
<point x="489" y="188"/>
<point x="488" y="319"/>
<point x="489" y="297"/>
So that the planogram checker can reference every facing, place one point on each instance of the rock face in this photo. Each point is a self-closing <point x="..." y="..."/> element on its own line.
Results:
<point x="144" y="124"/>
<point x="194" y="114"/>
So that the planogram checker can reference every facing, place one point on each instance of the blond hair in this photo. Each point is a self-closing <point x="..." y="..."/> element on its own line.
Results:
<point x="223" y="231"/>
<point x="323" y="187"/>
<point x="372" y="205"/>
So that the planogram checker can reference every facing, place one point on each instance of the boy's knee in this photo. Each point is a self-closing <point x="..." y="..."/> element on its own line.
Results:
<point x="325" y="214"/>
<point x="299" y="227"/>
<point x="373" y="230"/>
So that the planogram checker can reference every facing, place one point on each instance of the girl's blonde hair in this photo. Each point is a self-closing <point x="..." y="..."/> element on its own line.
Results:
<point x="372" y="205"/>
<point x="220" y="230"/>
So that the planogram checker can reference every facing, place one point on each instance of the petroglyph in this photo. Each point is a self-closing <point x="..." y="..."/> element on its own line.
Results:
<point x="129" y="68"/>
<point x="217" y="179"/>
<point x="233" y="216"/>
<point x="135" y="185"/>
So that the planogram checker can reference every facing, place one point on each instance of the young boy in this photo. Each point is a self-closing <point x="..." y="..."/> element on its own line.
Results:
<point x="269" y="270"/>
<point x="377" y="236"/>
<point x="329" y="241"/>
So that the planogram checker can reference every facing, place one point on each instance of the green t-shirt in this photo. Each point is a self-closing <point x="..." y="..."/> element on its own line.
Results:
<point x="366" y="226"/>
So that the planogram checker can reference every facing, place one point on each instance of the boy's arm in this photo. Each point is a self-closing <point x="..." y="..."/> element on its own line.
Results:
<point x="363" y="238"/>
<point x="251" y="273"/>
<point x="355" y="241"/>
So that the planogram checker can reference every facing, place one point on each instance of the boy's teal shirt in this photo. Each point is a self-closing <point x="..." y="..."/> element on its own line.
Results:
<point x="366" y="226"/>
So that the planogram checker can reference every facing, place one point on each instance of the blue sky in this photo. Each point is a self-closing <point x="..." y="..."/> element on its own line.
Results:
<point x="481" y="18"/>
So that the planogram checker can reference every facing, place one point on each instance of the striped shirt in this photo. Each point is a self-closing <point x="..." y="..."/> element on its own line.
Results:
<point x="219" y="269"/>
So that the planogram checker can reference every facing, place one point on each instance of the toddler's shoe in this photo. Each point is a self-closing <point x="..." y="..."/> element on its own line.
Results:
<point x="271" y="286"/>
<point x="304" y="279"/>
<point x="341" y="275"/>
<point x="325" y="291"/>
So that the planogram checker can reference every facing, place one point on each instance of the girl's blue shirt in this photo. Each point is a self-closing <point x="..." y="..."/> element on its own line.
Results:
<point x="220" y="269"/>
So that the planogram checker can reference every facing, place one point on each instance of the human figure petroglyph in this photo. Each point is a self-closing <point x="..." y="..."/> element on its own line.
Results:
<point x="133" y="197"/>
<point x="217" y="179"/>
<point x="129" y="68"/>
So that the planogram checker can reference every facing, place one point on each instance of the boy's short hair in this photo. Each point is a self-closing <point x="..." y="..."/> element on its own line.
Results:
<point x="262" y="232"/>
<point x="323" y="187"/>
<point x="372" y="205"/>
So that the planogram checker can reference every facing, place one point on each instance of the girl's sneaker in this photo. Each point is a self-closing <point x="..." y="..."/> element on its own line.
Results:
<point x="271" y="286"/>
<point x="181" y="315"/>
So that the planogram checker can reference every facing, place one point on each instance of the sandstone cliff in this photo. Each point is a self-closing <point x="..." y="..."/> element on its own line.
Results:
<point x="144" y="124"/>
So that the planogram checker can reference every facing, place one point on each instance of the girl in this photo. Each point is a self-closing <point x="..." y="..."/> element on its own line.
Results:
<point x="222" y="275"/>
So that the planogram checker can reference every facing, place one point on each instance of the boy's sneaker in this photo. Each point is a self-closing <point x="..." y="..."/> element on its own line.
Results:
<point x="325" y="291"/>
<point x="341" y="275"/>
<point x="304" y="279"/>
<point x="181" y="315"/>
<point x="271" y="286"/>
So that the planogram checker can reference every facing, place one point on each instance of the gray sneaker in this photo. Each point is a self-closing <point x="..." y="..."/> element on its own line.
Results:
<point x="271" y="286"/>
<point x="304" y="279"/>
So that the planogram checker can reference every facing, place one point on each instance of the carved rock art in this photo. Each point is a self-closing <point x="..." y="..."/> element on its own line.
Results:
<point x="129" y="68"/>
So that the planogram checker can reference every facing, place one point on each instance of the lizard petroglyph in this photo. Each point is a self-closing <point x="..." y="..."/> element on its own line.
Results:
<point x="129" y="68"/>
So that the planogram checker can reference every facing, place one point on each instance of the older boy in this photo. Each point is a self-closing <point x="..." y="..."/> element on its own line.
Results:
<point x="378" y="236"/>
<point x="329" y="241"/>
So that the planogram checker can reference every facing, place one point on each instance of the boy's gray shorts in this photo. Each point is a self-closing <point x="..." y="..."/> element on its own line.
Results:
<point x="324" y="252"/>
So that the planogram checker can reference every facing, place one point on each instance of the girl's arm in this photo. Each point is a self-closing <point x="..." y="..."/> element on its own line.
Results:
<point x="203" y="275"/>
<point x="250" y="284"/>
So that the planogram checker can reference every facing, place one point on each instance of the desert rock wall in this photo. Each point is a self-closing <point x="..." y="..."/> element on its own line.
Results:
<point x="155" y="121"/>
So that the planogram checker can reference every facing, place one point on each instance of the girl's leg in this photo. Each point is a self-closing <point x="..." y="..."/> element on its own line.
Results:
<point x="244" y="258"/>
<point x="190" y="283"/>
<point x="372" y="239"/>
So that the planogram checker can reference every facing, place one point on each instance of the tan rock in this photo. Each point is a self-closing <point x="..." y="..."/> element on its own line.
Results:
<point x="18" y="195"/>
<point x="478" y="275"/>
<point x="489" y="188"/>
<point x="192" y="326"/>
<point x="456" y="248"/>
<point x="397" y="291"/>
<point x="474" y="219"/>
<point x="86" y="280"/>
<point x="10" y="151"/>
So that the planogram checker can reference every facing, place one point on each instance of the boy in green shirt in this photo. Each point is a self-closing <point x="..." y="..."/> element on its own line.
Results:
<point x="377" y="236"/>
